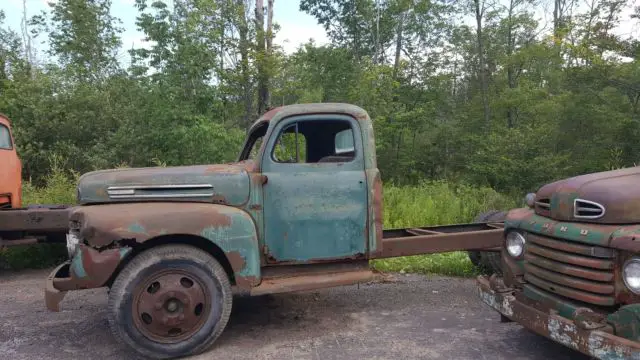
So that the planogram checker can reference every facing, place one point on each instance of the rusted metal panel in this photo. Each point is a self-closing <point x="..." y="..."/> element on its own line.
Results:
<point x="615" y="190"/>
<point x="89" y="269"/>
<point x="562" y="268"/>
<point x="448" y="238"/>
<point x="315" y="211"/>
<point x="18" y="242"/>
<point x="573" y="259"/>
<point x="35" y="219"/>
<point x="223" y="184"/>
<point x="11" y="174"/>
<point x="231" y="229"/>
<point x="589" y="333"/>
<point x="568" y="281"/>
<point x="312" y="282"/>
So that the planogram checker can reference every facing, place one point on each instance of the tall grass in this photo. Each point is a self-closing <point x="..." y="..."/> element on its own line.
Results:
<point x="59" y="189"/>
<point x="429" y="203"/>
<point x="437" y="203"/>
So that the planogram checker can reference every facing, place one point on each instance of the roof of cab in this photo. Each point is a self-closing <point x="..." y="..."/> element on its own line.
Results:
<point x="313" y="108"/>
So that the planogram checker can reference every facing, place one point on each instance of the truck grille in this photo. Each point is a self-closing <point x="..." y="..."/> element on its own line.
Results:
<point x="576" y="271"/>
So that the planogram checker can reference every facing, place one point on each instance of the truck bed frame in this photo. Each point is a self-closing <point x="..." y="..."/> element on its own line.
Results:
<point x="33" y="224"/>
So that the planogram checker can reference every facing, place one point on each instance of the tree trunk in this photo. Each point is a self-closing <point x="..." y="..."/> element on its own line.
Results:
<point x="267" y="92"/>
<point x="481" y="63"/>
<point x="511" y="111"/>
<point x="262" y="57"/>
<point x="244" y="63"/>
<point x="396" y="64"/>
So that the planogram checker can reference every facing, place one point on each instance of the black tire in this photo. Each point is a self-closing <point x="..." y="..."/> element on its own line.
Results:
<point x="210" y="280"/>
<point x="488" y="261"/>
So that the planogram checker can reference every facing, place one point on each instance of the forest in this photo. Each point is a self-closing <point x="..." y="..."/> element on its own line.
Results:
<point x="502" y="94"/>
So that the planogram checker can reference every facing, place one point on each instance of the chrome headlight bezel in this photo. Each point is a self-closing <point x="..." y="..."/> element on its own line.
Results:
<point x="631" y="262"/>
<point x="73" y="244"/>
<point x="515" y="240"/>
<point x="530" y="200"/>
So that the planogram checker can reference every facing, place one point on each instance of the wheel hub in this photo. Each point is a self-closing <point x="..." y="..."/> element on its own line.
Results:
<point x="170" y="306"/>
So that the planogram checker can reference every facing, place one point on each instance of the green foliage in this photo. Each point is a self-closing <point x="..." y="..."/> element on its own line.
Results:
<point x="510" y="105"/>
<point x="437" y="203"/>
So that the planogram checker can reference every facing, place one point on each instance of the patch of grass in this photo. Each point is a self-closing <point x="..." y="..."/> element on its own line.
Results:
<point x="449" y="264"/>
<point x="58" y="190"/>
<point x="437" y="203"/>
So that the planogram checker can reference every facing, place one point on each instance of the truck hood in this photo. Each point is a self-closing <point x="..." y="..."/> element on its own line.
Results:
<point x="222" y="184"/>
<point x="610" y="197"/>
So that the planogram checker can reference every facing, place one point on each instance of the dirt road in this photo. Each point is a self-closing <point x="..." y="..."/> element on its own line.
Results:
<point x="413" y="317"/>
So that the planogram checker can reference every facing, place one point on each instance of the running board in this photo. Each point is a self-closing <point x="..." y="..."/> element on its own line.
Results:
<point x="311" y="281"/>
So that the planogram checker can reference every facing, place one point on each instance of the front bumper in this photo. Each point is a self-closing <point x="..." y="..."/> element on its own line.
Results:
<point x="90" y="268"/>
<point x="595" y="340"/>
<point x="52" y="294"/>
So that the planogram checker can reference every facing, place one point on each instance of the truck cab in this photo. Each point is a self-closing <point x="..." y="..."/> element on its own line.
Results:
<point x="11" y="172"/>
<point x="300" y="209"/>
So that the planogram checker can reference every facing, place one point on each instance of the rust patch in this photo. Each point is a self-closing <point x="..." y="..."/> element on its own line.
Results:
<point x="255" y="207"/>
<point x="219" y="199"/>
<point x="378" y="203"/>
<point x="105" y="224"/>
<point x="224" y="169"/>
<point x="236" y="260"/>
<point x="589" y="333"/>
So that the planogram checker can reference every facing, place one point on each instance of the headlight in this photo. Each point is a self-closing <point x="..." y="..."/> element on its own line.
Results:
<point x="530" y="199"/>
<point x="631" y="275"/>
<point x="73" y="243"/>
<point x="515" y="243"/>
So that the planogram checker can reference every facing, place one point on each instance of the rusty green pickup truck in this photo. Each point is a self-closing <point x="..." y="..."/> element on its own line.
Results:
<point x="571" y="265"/>
<point x="301" y="209"/>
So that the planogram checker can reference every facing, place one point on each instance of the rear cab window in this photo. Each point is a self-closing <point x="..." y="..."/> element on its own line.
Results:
<point x="5" y="138"/>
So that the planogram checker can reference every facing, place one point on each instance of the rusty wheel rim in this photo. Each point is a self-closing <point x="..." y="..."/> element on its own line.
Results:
<point x="171" y="306"/>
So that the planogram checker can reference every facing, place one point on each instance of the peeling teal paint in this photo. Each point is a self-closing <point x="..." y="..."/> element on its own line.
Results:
<point x="137" y="228"/>
<point x="239" y="236"/>
<point x="315" y="211"/>
<point x="585" y="233"/>
<point x="77" y="266"/>
<point x="565" y="309"/>
<point x="124" y="252"/>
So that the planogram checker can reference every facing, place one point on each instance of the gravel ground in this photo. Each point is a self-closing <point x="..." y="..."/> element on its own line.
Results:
<point x="410" y="317"/>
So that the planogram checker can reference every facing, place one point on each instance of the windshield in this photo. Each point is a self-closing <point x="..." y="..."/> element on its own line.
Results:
<point x="5" y="138"/>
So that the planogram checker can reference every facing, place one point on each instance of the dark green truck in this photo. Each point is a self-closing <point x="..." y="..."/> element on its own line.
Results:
<point x="301" y="209"/>
<point x="571" y="265"/>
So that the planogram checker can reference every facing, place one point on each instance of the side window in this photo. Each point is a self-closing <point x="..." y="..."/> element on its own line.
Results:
<point x="315" y="141"/>
<point x="290" y="146"/>
<point x="344" y="142"/>
<point x="5" y="138"/>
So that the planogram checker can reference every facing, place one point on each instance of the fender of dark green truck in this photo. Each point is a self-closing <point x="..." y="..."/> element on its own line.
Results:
<point x="101" y="227"/>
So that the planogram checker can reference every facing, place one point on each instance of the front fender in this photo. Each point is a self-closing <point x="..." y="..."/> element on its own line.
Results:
<point x="231" y="229"/>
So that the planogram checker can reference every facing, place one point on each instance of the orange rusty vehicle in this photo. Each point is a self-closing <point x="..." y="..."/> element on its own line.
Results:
<point x="10" y="180"/>
<point x="18" y="225"/>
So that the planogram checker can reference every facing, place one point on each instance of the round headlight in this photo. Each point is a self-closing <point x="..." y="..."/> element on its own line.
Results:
<point x="530" y="199"/>
<point x="515" y="243"/>
<point x="631" y="275"/>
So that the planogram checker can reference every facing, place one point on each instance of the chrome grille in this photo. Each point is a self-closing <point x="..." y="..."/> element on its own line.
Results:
<point x="543" y="206"/>
<point x="576" y="271"/>
<point x="585" y="209"/>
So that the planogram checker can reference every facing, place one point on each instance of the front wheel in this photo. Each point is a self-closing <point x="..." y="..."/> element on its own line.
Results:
<point x="488" y="261"/>
<point x="170" y="301"/>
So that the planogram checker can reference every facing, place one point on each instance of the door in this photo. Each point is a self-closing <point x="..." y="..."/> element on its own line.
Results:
<point x="315" y="197"/>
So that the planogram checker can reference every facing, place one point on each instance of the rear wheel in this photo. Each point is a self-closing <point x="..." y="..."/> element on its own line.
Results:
<point x="170" y="301"/>
<point x="488" y="261"/>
